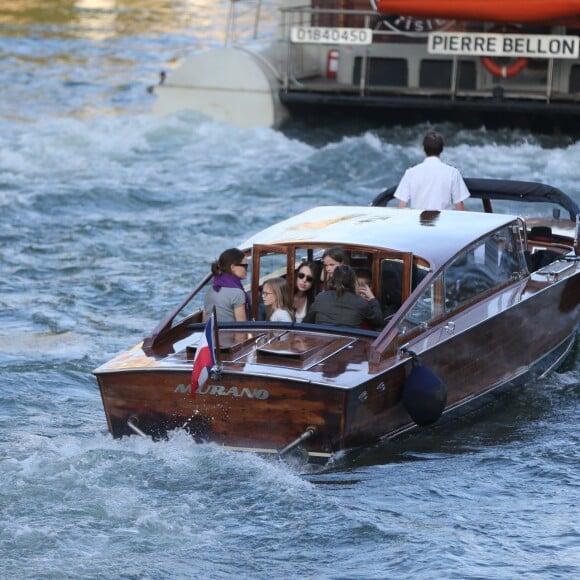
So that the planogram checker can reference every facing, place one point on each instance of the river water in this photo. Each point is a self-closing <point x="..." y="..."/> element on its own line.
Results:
<point x="107" y="218"/>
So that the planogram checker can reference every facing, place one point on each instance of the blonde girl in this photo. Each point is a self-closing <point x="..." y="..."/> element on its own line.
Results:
<point x="277" y="300"/>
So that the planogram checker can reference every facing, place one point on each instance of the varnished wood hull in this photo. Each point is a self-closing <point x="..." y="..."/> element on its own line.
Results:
<point x="481" y="302"/>
<point x="484" y="355"/>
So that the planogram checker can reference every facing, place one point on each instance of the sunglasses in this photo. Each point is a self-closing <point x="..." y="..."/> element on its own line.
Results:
<point x="244" y="266"/>
<point x="303" y="276"/>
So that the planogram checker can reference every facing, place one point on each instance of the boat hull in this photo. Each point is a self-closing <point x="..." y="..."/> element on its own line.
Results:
<point x="248" y="409"/>
<point x="230" y="85"/>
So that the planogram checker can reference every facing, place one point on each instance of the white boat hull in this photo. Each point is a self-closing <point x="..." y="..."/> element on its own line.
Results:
<point x="230" y="85"/>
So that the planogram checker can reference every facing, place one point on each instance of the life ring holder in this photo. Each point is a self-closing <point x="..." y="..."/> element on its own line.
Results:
<point x="499" y="70"/>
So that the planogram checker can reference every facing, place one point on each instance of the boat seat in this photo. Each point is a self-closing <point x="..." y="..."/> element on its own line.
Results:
<point x="541" y="234"/>
<point x="540" y="258"/>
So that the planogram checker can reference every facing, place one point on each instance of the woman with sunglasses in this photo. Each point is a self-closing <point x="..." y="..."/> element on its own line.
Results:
<point x="307" y="277"/>
<point x="227" y="293"/>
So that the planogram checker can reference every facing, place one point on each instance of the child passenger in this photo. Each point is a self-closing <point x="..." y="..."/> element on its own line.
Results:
<point x="363" y="284"/>
<point x="277" y="300"/>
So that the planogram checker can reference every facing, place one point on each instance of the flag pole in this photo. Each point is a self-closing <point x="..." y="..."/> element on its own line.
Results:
<point x="216" y="341"/>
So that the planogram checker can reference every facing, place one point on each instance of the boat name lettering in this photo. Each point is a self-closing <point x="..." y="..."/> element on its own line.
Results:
<point x="221" y="391"/>
<point x="509" y="45"/>
<point x="324" y="35"/>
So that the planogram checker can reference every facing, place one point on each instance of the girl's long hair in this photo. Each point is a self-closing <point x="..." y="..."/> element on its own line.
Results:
<point x="282" y="296"/>
<point x="343" y="280"/>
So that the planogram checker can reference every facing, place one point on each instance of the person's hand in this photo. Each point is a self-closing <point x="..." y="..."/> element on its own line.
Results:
<point x="365" y="291"/>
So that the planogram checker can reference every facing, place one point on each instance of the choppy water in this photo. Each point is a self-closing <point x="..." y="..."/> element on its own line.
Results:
<point x="107" y="217"/>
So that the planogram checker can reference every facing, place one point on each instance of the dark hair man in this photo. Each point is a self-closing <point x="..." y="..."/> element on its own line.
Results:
<point x="432" y="184"/>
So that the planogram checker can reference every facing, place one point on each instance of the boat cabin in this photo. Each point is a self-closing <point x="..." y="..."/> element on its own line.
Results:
<point x="392" y="247"/>
<point x="445" y="261"/>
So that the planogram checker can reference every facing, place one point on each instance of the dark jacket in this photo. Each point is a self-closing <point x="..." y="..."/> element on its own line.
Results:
<point x="348" y="310"/>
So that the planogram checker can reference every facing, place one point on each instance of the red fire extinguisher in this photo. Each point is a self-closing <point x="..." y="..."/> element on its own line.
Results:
<point x="332" y="63"/>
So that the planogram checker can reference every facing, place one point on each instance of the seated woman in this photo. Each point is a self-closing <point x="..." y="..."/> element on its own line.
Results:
<point x="227" y="293"/>
<point x="341" y="306"/>
<point x="331" y="258"/>
<point x="277" y="300"/>
<point x="307" y="277"/>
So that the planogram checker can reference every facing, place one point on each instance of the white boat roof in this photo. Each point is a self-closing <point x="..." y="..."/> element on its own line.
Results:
<point x="434" y="235"/>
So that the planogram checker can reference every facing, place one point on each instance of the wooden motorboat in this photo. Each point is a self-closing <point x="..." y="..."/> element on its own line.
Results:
<point x="498" y="63"/>
<point x="475" y="302"/>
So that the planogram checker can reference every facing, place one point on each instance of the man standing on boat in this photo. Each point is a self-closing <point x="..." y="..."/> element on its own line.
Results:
<point x="432" y="184"/>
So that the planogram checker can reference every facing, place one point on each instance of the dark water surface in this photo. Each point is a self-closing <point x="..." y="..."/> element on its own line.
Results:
<point x="108" y="216"/>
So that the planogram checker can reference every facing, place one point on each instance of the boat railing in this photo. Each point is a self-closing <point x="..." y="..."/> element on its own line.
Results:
<point x="250" y="20"/>
<point x="300" y="66"/>
<point x="383" y="35"/>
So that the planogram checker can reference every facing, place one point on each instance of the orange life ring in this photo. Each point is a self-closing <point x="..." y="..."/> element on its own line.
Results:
<point x="500" y="70"/>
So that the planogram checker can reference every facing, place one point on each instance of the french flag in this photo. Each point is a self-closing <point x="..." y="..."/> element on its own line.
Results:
<point x="204" y="357"/>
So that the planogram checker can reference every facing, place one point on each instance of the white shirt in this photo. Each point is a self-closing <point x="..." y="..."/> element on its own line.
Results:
<point x="432" y="185"/>
<point x="280" y="315"/>
<point x="302" y="313"/>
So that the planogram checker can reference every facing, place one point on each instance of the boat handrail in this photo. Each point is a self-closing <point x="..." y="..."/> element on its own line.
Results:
<point x="235" y="15"/>
<point x="262" y="59"/>
<point x="366" y="14"/>
<point x="293" y="326"/>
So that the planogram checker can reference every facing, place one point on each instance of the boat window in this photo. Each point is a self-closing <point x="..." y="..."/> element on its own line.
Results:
<point x="485" y="265"/>
<point x="422" y="311"/>
<point x="360" y="260"/>
<point x="192" y="310"/>
<point x="419" y="272"/>
<point x="272" y="265"/>
<point x="391" y="285"/>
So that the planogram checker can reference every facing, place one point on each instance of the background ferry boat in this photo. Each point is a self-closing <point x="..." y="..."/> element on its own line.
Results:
<point x="503" y="63"/>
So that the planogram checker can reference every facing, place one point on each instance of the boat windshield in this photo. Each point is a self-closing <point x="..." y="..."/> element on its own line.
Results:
<point x="486" y="265"/>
